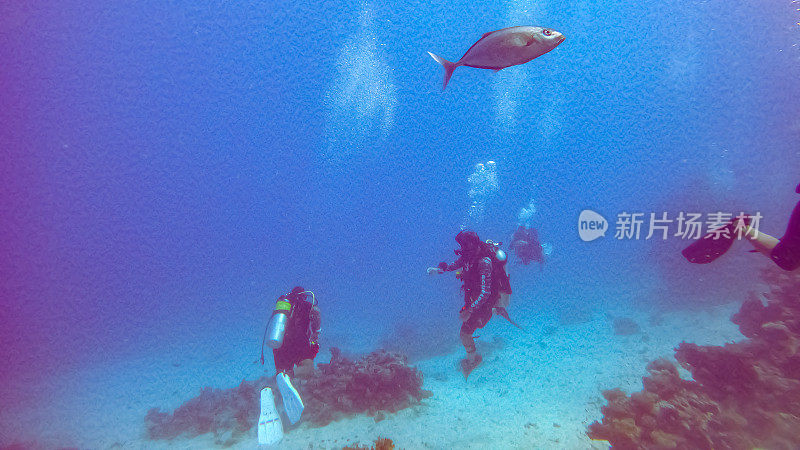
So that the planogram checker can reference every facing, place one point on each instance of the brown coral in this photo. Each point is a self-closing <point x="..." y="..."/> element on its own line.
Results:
<point x="743" y="395"/>
<point x="377" y="382"/>
<point x="380" y="444"/>
<point x="381" y="381"/>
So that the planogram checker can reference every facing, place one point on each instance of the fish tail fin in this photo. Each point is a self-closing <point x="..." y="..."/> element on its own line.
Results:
<point x="449" y="67"/>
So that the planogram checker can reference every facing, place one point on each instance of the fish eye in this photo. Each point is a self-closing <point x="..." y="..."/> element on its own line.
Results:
<point x="546" y="32"/>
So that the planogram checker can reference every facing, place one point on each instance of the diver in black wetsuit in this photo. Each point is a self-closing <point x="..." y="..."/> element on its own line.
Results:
<point x="301" y="338"/>
<point x="481" y="292"/>
<point x="785" y="252"/>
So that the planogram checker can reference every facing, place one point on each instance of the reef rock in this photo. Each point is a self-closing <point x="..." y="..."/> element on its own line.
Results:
<point x="743" y="395"/>
<point x="227" y="413"/>
<point x="380" y="381"/>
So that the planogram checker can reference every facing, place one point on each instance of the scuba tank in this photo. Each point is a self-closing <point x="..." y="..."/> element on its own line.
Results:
<point x="277" y="324"/>
<point x="276" y="327"/>
<point x="499" y="254"/>
<point x="500" y="275"/>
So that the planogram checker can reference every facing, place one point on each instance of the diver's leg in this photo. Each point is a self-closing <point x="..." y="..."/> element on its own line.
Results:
<point x="282" y="360"/>
<point x="466" y="338"/>
<point x="305" y="369"/>
<point x="478" y="319"/>
<point x="786" y="253"/>
<point x="467" y="328"/>
<point x="473" y="358"/>
<point x="761" y="241"/>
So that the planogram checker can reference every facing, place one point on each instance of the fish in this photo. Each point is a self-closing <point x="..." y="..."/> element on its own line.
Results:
<point x="503" y="48"/>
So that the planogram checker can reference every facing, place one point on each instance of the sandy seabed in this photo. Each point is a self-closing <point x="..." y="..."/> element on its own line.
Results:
<point x="536" y="390"/>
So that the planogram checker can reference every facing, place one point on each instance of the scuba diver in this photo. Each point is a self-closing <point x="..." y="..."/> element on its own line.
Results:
<point x="785" y="252"/>
<point x="481" y="268"/>
<point x="525" y="244"/>
<point x="293" y="334"/>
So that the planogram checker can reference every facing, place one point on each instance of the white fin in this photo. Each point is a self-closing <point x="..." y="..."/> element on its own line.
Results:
<point x="292" y="403"/>
<point x="270" y="428"/>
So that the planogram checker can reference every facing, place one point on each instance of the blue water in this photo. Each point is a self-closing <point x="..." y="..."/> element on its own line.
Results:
<point x="171" y="168"/>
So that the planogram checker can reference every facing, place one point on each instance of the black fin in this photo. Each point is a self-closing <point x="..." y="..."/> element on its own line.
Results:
<point x="711" y="246"/>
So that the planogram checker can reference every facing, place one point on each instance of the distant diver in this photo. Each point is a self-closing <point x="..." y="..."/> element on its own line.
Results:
<point x="293" y="333"/>
<point x="526" y="246"/>
<point x="503" y="48"/>
<point x="785" y="252"/>
<point x="486" y="286"/>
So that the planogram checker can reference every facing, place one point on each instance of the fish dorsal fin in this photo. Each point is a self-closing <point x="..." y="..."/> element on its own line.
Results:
<point x="495" y="31"/>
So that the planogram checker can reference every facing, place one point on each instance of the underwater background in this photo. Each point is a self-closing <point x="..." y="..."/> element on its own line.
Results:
<point x="170" y="168"/>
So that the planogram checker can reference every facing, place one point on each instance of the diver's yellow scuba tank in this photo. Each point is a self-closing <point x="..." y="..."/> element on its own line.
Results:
<point x="276" y="327"/>
<point x="277" y="324"/>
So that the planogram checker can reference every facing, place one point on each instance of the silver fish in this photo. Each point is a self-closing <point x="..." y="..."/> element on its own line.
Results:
<point x="499" y="49"/>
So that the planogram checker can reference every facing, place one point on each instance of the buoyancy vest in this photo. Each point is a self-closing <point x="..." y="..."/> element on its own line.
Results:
<point x="297" y="326"/>
<point x="501" y="282"/>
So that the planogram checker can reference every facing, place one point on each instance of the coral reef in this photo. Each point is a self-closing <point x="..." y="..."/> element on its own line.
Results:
<point x="380" y="381"/>
<point x="380" y="444"/>
<point x="743" y="395"/>
<point x="227" y="413"/>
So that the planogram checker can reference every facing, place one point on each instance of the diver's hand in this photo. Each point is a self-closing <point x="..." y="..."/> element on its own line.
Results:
<point x="464" y="314"/>
<point x="434" y="270"/>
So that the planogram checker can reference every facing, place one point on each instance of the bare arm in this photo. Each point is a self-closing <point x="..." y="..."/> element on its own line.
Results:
<point x="444" y="267"/>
